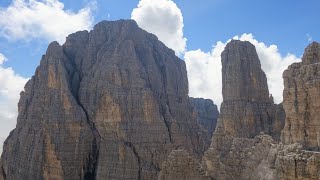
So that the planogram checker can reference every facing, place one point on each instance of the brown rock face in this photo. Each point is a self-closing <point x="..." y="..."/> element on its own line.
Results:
<point x="206" y="113"/>
<point x="108" y="104"/>
<point x="301" y="100"/>
<point x="247" y="109"/>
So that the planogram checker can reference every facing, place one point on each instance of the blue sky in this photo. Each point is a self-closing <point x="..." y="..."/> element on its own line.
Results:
<point x="197" y="30"/>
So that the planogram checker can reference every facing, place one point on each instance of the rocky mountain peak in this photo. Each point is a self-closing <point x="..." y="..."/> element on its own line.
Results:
<point x="247" y="110"/>
<point x="312" y="53"/>
<point x="242" y="76"/>
<point x="111" y="103"/>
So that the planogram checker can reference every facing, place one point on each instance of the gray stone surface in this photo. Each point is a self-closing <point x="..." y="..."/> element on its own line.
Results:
<point x="111" y="103"/>
<point x="206" y="113"/>
<point x="301" y="100"/>
<point x="247" y="110"/>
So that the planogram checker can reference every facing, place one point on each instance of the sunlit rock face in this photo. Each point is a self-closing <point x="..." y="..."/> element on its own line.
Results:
<point x="301" y="100"/>
<point x="111" y="103"/>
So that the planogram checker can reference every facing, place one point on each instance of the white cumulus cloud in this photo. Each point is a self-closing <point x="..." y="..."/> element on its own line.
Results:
<point x="164" y="19"/>
<point x="11" y="84"/>
<point x="2" y="58"/>
<point x="204" y="69"/>
<point x="27" y="19"/>
<point x="204" y="73"/>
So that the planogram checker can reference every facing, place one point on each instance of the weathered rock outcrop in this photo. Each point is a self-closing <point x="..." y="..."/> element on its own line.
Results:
<point x="111" y="103"/>
<point x="293" y="162"/>
<point x="247" y="110"/>
<point x="181" y="166"/>
<point x="301" y="100"/>
<point x="206" y="113"/>
<point x="259" y="158"/>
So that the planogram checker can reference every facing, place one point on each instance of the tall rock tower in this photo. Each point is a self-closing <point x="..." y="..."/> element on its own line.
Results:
<point x="246" y="110"/>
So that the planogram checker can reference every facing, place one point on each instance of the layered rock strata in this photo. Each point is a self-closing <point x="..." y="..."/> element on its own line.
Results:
<point x="206" y="113"/>
<point x="111" y="103"/>
<point x="301" y="100"/>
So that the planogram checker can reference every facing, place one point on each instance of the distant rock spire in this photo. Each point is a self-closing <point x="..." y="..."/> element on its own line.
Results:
<point x="247" y="108"/>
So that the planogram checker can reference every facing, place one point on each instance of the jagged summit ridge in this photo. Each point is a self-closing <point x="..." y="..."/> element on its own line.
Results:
<point x="312" y="54"/>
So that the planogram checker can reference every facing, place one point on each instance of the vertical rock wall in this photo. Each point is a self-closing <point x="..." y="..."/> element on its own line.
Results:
<point x="301" y="100"/>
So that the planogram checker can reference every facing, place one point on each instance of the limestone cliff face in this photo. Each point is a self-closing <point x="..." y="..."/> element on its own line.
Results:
<point x="111" y="103"/>
<point x="206" y="113"/>
<point x="301" y="100"/>
<point x="246" y="110"/>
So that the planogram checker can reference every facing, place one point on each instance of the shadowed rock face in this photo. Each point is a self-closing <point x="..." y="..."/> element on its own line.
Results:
<point x="206" y="113"/>
<point x="247" y="108"/>
<point x="111" y="103"/>
<point x="301" y="100"/>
